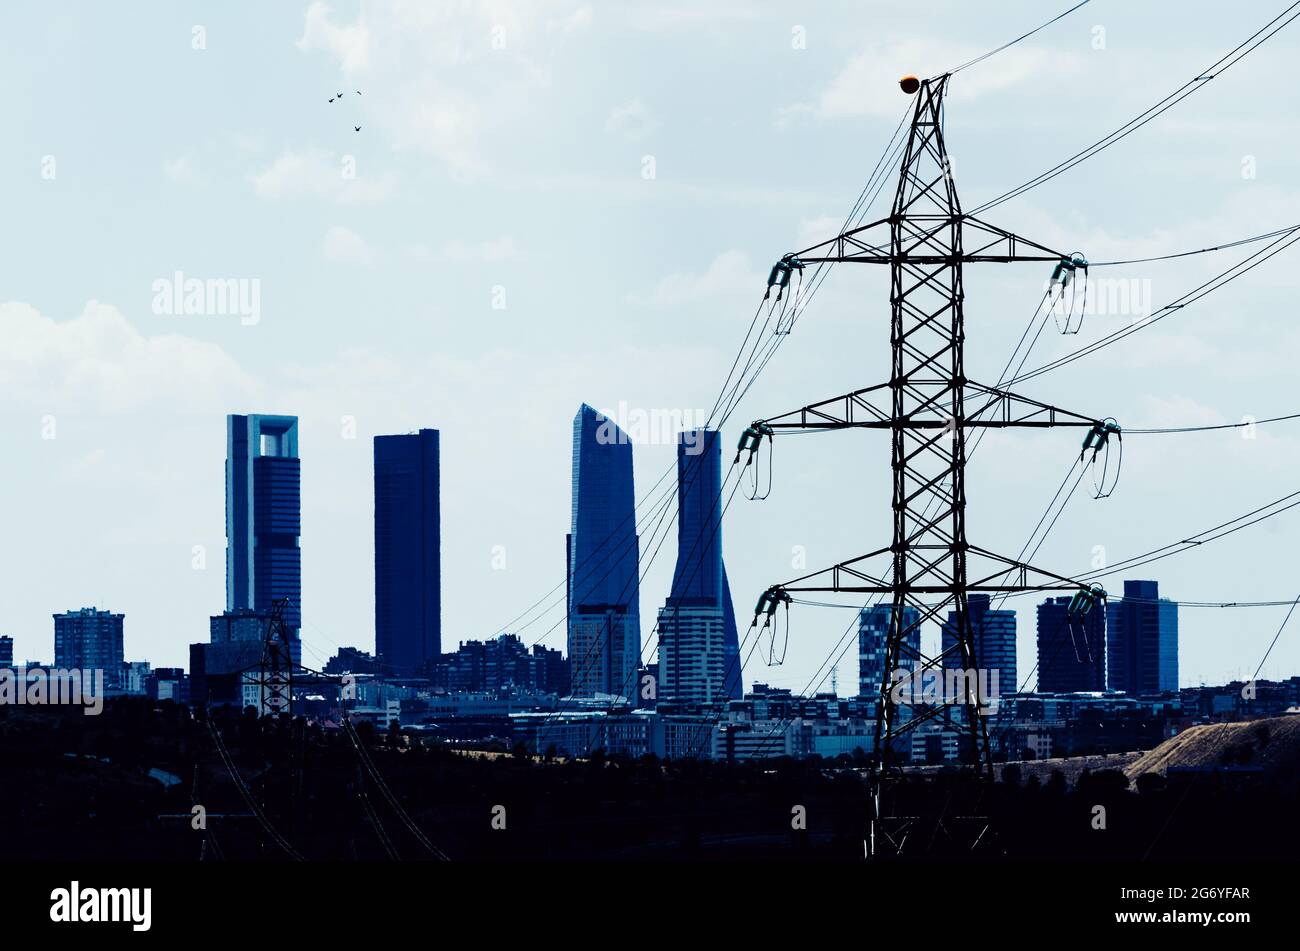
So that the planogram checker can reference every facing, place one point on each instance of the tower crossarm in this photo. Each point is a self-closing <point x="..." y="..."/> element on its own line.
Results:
<point x="984" y="407"/>
<point x="925" y="239"/>
<point x="988" y="573"/>
<point x="991" y="407"/>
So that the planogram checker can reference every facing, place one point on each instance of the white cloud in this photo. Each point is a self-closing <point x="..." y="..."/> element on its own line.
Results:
<point x="729" y="274"/>
<point x="180" y="170"/>
<point x="579" y="19"/>
<point x="632" y="120"/>
<point x="99" y="360"/>
<point x="661" y="17"/>
<point x="344" y="246"/>
<point x="492" y="251"/>
<point x="868" y="83"/>
<point x="446" y="76"/>
<point x="350" y="43"/>
<point x="822" y="228"/>
<point x="316" y="173"/>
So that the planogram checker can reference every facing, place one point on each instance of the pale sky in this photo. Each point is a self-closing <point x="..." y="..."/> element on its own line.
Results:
<point x="500" y="257"/>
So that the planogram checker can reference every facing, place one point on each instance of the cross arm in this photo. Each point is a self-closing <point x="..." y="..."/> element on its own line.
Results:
<point x="922" y="242"/>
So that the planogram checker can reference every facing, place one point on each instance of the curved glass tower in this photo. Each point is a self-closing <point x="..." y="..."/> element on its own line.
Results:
<point x="604" y="623"/>
<point x="699" y="650"/>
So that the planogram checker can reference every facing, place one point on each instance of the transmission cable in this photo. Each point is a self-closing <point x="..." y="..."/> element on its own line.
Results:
<point x="1201" y="80"/>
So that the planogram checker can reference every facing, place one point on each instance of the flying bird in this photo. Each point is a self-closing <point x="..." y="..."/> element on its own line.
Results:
<point x="356" y="128"/>
<point x="339" y="96"/>
<point x="358" y="92"/>
<point x="331" y="100"/>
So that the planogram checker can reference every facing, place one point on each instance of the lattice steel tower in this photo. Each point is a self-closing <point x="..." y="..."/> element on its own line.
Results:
<point x="928" y="406"/>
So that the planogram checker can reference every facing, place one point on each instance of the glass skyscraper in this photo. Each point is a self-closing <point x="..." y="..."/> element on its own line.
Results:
<point x="604" y="614"/>
<point x="873" y="630"/>
<point x="1071" y="652"/>
<point x="263" y="518"/>
<point x="408" y="551"/>
<point x="699" y="650"/>
<point x="1142" y="640"/>
<point x="994" y="635"/>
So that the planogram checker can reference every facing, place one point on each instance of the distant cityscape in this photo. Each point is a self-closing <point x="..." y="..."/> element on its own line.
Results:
<point x="1107" y="680"/>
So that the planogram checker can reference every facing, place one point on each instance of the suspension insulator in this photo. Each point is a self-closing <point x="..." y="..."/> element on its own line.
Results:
<point x="779" y="276"/>
<point x="1063" y="273"/>
<point x="1099" y="435"/>
<point x="751" y="439"/>
<point x="1085" y="599"/>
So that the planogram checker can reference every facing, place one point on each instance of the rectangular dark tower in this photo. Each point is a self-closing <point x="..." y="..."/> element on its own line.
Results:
<point x="1142" y="640"/>
<point x="1071" y="650"/>
<point x="408" y="551"/>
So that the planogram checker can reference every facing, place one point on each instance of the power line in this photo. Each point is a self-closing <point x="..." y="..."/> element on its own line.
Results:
<point x="1273" y="642"/>
<point x="994" y="52"/>
<point x="1205" y="429"/>
<point x="1222" y="279"/>
<point x="1184" y="254"/>
<point x="1202" y="79"/>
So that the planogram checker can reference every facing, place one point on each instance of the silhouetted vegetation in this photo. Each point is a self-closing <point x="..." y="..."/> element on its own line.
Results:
<point x="80" y="787"/>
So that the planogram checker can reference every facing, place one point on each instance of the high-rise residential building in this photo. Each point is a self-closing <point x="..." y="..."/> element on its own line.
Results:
<point x="603" y="599"/>
<point x="89" y="640"/>
<point x="6" y="651"/>
<point x="1071" y="650"/>
<point x="994" y="637"/>
<point x="1142" y="640"/>
<point x="408" y="551"/>
<point x="873" y="627"/>
<point x="699" y="650"/>
<point x="263" y="518"/>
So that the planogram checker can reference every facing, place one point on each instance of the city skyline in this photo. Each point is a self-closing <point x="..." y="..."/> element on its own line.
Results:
<point x="527" y="434"/>
<point x="652" y="330"/>
<point x="273" y="439"/>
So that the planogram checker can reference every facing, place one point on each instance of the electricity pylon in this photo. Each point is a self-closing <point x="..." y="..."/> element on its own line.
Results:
<point x="274" y="677"/>
<point x="928" y="406"/>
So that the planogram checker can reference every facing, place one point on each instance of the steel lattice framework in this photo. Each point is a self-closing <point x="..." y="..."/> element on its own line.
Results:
<point x="928" y="406"/>
<point x="274" y="673"/>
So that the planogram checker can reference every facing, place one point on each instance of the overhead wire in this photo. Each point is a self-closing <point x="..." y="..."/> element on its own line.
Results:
<point x="1202" y="79"/>
<point x="1024" y="36"/>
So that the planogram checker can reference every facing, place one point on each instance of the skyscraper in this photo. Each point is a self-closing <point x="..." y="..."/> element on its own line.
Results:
<point x="603" y="599"/>
<point x="1071" y="651"/>
<point x="1142" y="640"/>
<point x="994" y="637"/>
<point x="408" y="551"/>
<point x="873" y="626"/>
<point x="89" y="640"/>
<point x="699" y="651"/>
<point x="263" y="518"/>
